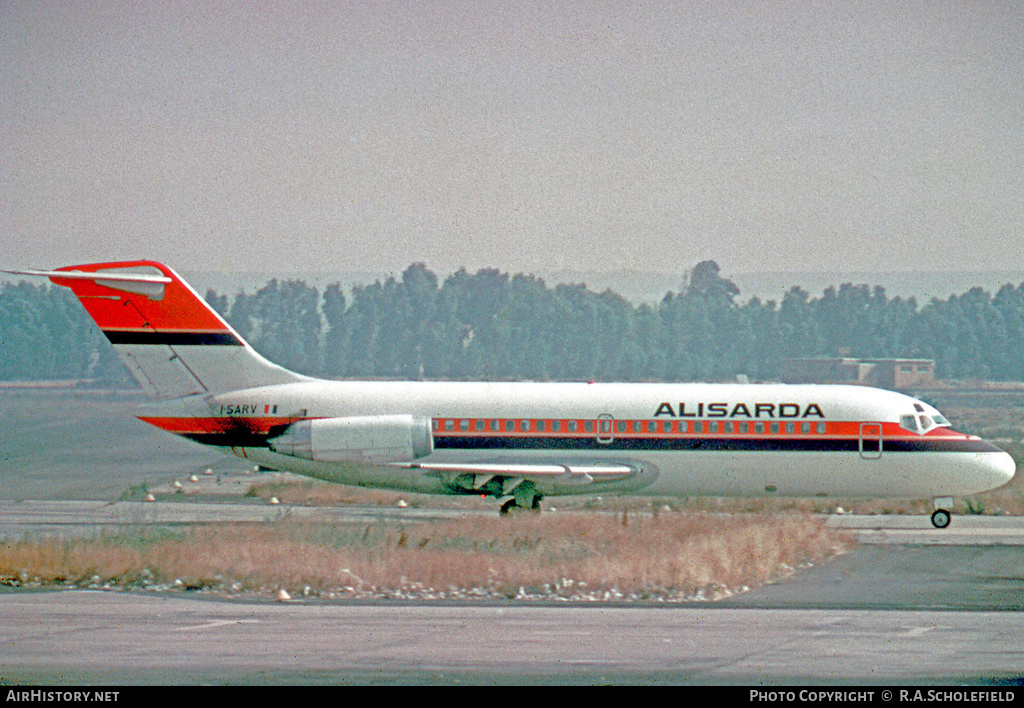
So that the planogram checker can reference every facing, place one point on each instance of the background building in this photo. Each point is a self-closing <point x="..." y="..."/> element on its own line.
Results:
<point x="883" y="373"/>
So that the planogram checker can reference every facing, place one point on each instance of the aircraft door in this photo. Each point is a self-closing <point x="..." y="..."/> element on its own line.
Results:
<point x="871" y="441"/>
<point x="605" y="428"/>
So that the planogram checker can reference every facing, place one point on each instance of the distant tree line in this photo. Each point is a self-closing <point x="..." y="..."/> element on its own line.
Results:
<point x="493" y="326"/>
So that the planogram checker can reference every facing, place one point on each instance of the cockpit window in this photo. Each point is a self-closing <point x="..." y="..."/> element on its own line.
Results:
<point x="921" y="423"/>
<point x="927" y="418"/>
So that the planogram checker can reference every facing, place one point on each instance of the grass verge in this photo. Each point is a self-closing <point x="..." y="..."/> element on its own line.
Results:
<point x="586" y="556"/>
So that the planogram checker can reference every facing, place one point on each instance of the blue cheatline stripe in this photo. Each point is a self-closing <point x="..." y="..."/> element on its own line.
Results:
<point x="720" y="444"/>
<point x="173" y="338"/>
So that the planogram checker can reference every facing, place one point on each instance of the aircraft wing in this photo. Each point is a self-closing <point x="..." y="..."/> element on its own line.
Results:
<point x="572" y="473"/>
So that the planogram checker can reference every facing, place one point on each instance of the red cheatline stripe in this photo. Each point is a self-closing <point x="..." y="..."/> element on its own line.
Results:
<point x="838" y="429"/>
<point x="221" y="424"/>
<point x="517" y="427"/>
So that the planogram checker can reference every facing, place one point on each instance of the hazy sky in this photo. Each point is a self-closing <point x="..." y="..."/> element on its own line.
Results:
<point x="526" y="136"/>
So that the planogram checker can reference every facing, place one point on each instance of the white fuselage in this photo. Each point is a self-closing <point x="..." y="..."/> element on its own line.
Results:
<point x="676" y="439"/>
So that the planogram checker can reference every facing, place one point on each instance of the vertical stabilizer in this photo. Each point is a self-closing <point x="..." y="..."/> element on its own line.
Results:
<point x="170" y="339"/>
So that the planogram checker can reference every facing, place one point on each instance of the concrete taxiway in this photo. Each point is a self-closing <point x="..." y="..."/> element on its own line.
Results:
<point x="121" y="638"/>
<point x="71" y="516"/>
<point x="32" y="515"/>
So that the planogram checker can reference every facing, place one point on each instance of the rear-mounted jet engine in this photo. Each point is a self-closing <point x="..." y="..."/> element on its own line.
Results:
<point x="378" y="439"/>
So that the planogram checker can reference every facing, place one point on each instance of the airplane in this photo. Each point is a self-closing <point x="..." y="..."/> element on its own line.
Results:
<point x="521" y="442"/>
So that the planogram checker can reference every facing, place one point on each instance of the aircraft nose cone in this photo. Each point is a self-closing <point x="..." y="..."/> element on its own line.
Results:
<point x="1003" y="468"/>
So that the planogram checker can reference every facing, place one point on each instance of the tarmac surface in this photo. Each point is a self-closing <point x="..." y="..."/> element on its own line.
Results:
<point x="909" y="605"/>
<point x="84" y="637"/>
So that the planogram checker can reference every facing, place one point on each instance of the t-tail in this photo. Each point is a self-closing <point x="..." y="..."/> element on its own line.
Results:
<point x="171" y="340"/>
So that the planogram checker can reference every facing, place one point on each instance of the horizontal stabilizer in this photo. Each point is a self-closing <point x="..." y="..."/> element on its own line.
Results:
<point x="152" y="286"/>
<point x="98" y="275"/>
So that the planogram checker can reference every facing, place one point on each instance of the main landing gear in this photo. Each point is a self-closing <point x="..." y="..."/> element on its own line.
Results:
<point x="512" y="505"/>
<point x="524" y="497"/>
<point x="942" y="516"/>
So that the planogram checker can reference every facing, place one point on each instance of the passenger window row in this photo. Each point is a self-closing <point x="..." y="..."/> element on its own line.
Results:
<point x="534" y="425"/>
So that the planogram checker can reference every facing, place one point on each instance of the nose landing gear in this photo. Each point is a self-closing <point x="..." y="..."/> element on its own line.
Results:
<point x="942" y="516"/>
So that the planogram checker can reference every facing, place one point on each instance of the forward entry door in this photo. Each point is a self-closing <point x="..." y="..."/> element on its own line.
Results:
<point x="871" y="441"/>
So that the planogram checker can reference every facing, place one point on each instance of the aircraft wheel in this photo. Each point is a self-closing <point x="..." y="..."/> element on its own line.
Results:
<point x="941" y="518"/>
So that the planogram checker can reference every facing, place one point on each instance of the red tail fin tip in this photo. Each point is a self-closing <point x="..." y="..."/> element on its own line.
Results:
<point x="169" y="337"/>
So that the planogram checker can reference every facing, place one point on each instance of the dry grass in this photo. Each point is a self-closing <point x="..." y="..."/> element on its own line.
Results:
<point x="578" y="556"/>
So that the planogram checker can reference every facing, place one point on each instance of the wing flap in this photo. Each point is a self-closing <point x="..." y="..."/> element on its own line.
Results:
<point x="569" y="473"/>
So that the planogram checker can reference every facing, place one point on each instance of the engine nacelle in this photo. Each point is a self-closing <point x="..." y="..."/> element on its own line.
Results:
<point x="374" y="439"/>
